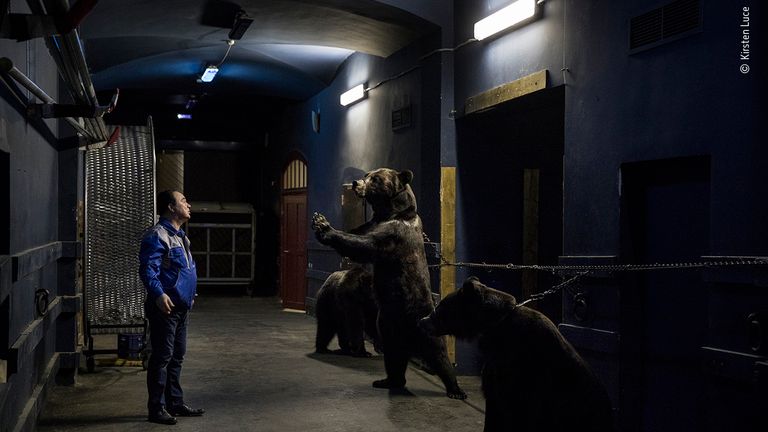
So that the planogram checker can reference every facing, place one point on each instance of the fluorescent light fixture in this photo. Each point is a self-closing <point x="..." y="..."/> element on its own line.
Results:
<point x="352" y="95"/>
<point x="184" y="116"/>
<point x="210" y="72"/>
<point x="503" y="19"/>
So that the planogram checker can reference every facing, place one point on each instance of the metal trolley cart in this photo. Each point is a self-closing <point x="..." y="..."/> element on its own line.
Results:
<point x="119" y="207"/>
<point x="222" y="236"/>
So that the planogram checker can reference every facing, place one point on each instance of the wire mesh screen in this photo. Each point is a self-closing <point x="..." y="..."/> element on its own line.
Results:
<point x="222" y="237"/>
<point x="120" y="206"/>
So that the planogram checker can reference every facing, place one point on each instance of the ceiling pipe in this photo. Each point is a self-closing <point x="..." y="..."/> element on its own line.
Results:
<point x="6" y="65"/>
<point x="67" y="52"/>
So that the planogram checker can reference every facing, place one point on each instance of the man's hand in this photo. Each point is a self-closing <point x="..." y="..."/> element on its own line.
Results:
<point x="165" y="304"/>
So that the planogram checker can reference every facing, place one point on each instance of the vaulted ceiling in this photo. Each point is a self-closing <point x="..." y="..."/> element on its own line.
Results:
<point x="291" y="51"/>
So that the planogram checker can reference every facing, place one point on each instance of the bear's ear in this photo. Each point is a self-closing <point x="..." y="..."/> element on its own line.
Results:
<point x="405" y="176"/>
<point x="471" y="285"/>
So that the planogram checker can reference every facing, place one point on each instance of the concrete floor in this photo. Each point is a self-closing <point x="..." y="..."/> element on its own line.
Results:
<point x="251" y="366"/>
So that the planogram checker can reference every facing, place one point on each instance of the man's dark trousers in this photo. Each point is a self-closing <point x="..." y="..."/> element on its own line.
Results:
<point x="168" y="336"/>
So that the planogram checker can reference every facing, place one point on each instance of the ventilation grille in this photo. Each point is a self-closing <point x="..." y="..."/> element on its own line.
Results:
<point x="664" y="24"/>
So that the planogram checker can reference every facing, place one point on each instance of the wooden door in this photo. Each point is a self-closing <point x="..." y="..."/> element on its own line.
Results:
<point x="294" y="250"/>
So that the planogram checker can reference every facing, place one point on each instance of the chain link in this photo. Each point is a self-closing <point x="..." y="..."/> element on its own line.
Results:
<point x="584" y="270"/>
<point x="613" y="268"/>
<point x="443" y="261"/>
<point x="553" y="290"/>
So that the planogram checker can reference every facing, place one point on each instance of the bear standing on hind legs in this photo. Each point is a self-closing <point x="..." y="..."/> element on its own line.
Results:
<point x="392" y="241"/>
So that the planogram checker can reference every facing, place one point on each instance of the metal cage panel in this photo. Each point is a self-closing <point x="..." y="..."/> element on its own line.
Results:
<point x="222" y="237"/>
<point x="120" y="206"/>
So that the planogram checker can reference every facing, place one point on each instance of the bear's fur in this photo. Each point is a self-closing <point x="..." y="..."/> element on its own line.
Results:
<point x="533" y="379"/>
<point x="392" y="241"/>
<point x="346" y="308"/>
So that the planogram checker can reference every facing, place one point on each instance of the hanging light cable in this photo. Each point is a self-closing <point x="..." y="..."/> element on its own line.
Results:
<point x="211" y="70"/>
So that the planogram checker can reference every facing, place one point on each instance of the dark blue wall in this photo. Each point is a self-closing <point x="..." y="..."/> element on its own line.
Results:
<point x="681" y="101"/>
<point x="32" y="194"/>
<point x="355" y="139"/>
<point x="683" y="98"/>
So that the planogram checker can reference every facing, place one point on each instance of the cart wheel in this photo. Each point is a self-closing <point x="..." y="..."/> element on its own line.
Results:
<point x="90" y="363"/>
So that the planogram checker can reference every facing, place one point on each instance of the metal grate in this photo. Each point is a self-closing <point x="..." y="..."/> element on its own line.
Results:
<point x="664" y="24"/>
<point x="120" y="206"/>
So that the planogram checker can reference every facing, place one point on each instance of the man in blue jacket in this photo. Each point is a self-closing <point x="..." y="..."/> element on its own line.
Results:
<point x="169" y="275"/>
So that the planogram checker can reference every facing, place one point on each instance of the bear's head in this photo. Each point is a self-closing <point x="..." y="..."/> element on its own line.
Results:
<point x="387" y="190"/>
<point x="469" y="311"/>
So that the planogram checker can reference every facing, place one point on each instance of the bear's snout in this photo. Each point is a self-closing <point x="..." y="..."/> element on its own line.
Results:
<point x="358" y="188"/>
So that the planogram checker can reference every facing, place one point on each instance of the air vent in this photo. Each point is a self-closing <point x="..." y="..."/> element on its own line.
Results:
<point x="670" y="22"/>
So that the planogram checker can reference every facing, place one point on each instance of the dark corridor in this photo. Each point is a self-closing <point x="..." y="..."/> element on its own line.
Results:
<point x="665" y="216"/>
<point x="506" y="217"/>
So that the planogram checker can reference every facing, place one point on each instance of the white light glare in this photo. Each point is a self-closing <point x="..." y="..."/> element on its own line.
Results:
<point x="209" y="73"/>
<point x="352" y="95"/>
<point x="505" y="18"/>
<point x="184" y="116"/>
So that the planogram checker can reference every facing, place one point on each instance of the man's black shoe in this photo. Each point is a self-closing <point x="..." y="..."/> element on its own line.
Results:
<point x="185" y="411"/>
<point x="162" y="417"/>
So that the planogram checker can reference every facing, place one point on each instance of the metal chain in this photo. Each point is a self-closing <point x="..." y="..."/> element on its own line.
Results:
<point x="443" y="261"/>
<point x="612" y="268"/>
<point x="553" y="290"/>
<point x="584" y="270"/>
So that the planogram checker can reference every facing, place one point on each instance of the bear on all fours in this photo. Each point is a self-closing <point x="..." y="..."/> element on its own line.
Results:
<point x="532" y="379"/>
<point x="393" y="242"/>
<point x="346" y="308"/>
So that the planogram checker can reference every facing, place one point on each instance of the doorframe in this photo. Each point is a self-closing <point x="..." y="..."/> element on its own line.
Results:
<point x="292" y="156"/>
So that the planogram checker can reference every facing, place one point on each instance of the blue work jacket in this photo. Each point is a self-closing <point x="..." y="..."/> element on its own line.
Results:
<point x="166" y="265"/>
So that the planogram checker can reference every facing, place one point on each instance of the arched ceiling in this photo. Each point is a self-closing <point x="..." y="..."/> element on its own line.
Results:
<point x="292" y="49"/>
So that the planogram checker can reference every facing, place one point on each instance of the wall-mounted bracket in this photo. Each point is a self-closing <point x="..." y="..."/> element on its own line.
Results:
<point x="50" y="109"/>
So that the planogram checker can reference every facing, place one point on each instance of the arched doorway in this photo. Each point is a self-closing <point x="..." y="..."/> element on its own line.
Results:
<point x="293" y="233"/>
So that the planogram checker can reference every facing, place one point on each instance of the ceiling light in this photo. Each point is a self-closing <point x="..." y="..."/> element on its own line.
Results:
<point x="352" y="95"/>
<point x="505" y="18"/>
<point x="241" y="24"/>
<point x="210" y="72"/>
<point x="191" y="103"/>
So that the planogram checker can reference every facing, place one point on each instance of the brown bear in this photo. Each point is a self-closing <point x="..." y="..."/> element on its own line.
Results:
<point x="393" y="242"/>
<point x="532" y="379"/>
<point x="346" y="308"/>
